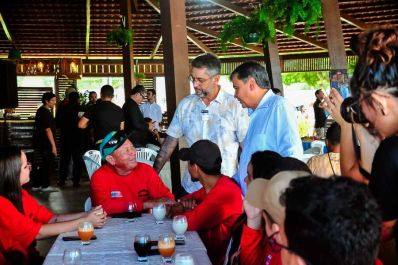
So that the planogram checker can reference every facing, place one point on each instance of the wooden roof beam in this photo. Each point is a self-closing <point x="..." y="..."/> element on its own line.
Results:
<point x="206" y="31"/>
<point x="352" y="21"/>
<point x="88" y="23"/>
<point x="156" y="48"/>
<point x="198" y="43"/>
<point x="214" y="34"/>
<point x="243" y="12"/>
<point x="4" y="25"/>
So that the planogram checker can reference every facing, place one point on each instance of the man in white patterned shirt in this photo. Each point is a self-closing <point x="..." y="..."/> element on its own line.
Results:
<point x="211" y="114"/>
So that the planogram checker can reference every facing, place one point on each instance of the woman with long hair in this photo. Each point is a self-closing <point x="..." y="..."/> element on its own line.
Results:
<point x="22" y="219"/>
<point x="375" y="86"/>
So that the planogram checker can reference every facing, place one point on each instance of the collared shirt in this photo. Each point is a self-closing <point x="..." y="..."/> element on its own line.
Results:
<point x="152" y="111"/>
<point x="273" y="126"/>
<point x="325" y="165"/>
<point x="223" y="122"/>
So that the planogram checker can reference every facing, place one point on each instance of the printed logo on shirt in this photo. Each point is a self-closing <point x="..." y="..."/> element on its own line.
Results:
<point x="144" y="194"/>
<point x="116" y="194"/>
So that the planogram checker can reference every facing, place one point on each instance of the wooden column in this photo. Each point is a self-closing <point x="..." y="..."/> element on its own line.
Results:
<point x="273" y="64"/>
<point x="176" y="70"/>
<point x="128" y="55"/>
<point x="334" y="34"/>
<point x="335" y="41"/>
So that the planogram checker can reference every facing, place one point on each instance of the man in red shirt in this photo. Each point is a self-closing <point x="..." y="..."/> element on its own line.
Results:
<point x="212" y="210"/>
<point x="122" y="180"/>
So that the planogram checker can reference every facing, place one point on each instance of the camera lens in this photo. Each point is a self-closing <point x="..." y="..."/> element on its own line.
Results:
<point x="351" y="111"/>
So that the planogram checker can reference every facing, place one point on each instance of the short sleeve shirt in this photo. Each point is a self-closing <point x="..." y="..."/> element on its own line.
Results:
<point x="17" y="230"/>
<point x="105" y="117"/>
<point x="44" y="119"/>
<point x="223" y="122"/>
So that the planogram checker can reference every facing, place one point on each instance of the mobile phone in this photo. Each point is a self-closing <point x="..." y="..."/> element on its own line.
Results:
<point x="76" y="238"/>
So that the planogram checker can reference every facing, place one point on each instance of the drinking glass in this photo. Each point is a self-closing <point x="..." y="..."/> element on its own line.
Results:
<point x="166" y="245"/>
<point x="180" y="226"/>
<point x="184" y="259"/>
<point x="142" y="246"/>
<point x="85" y="231"/>
<point x="159" y="212"/>
<point x="131" y="208"/>
<point x="72" y="257"/>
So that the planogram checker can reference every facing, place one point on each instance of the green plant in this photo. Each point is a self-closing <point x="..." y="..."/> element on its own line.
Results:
<point x="14" y="54"/>
<point x="241" y="27"/>
<point x="120" y="36"/>
<point x="283" y="14"/>
<point x="139" y="76"/>
<point x="289" y="12"/>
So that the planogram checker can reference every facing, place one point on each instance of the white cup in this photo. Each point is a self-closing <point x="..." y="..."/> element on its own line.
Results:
<point x="159" y="212"/>
<point x="184" y="259"/>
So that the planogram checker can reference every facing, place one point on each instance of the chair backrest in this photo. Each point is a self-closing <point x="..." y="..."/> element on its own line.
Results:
<point x="92" y="160"/>
<point x="153" y="147"/>
<point x="87" y="204"/>
<point x="320" y="144"/>
<point x="313" y="150"/>
<point x="146" y="155"/>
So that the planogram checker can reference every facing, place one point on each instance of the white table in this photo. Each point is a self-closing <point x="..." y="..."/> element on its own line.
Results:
<point x="114" y="243"/>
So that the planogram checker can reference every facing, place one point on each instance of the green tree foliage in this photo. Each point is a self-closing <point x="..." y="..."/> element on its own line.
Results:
<point x="313" y="79"/>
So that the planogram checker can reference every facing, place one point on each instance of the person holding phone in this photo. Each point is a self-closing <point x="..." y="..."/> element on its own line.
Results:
<point x="22" y="219"/>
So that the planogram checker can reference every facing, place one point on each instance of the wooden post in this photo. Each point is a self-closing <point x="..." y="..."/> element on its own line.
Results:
<point x="176" y="70"/>
<point x="128" y="54"/>
<point x="336" y="48"/>
<point x="273" y="64"/>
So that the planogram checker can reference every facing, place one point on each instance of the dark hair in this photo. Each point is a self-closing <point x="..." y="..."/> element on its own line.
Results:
<point x="291" y="164"/>
<point x="208" y="61"/>
<point x="252" y="69"/>
<point x="263" y="162"/>
<point x="153" y="91"/>
<point x="91" y="93"/>
<point x="74" y="98"/>
<point x="138" y="89"/>
<point x="47" y="96"/>
<point x="10" y="170"/>
<point x="377" y="65"/>
<point x="276" y="91"/>
<point x="332" y="221"/>
<point x="147" y="119"/>
<point x="333" y="133"/>
<point x="107" y="91"/>
<point x="318" y="91"/>
<point x="209" y="171"/>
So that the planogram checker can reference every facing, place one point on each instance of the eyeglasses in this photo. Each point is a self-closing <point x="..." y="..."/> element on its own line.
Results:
<point x="199" y="80"/>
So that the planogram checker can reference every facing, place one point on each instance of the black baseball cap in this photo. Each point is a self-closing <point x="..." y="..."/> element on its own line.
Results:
<point x="111" y="142"/>
<point x="204" y="153"/>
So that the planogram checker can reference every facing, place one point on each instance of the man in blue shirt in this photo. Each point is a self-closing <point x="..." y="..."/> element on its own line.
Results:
<point x="273" y="124"/>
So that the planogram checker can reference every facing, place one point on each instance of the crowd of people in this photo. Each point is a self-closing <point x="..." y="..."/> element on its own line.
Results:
<point x="267" y="207"/>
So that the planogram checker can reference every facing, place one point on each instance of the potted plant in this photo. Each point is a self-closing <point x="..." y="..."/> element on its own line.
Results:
<point x="284" y="13"/>
<point x="120" y="36"/>
<point x="249" y="30"/>
<point x="14" y="54"/>
<point x="138" y="77"/>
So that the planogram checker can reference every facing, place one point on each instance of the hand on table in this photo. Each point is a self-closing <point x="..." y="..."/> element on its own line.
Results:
<point x="97" y="216"/>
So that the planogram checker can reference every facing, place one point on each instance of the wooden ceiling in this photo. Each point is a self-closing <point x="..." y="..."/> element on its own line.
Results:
<point x="57" y="28"/>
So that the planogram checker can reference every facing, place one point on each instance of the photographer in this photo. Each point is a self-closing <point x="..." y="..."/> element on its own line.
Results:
<point x="374" y="85"/>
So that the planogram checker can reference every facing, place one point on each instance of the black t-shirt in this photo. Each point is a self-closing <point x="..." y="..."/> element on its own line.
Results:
<point x="67" y="120"/>
<point x="44" y="119"/>
<point x="105" y="117"/>
<point x="384" y="180"/>
<point x="135" y="124"/>
<point x="320" y="116"/>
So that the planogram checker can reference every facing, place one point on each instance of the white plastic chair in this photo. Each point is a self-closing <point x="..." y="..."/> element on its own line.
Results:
<point x="313" y="150"/>
<point x="92" y="160"/>
<point x="146" y="155"/>
<point x="153" y="147"/>
<point x="87" y="204"/>
<point x="320" y="144"/>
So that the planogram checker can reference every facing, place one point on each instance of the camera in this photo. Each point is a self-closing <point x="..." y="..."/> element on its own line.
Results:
<point x="351" y="111"/>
